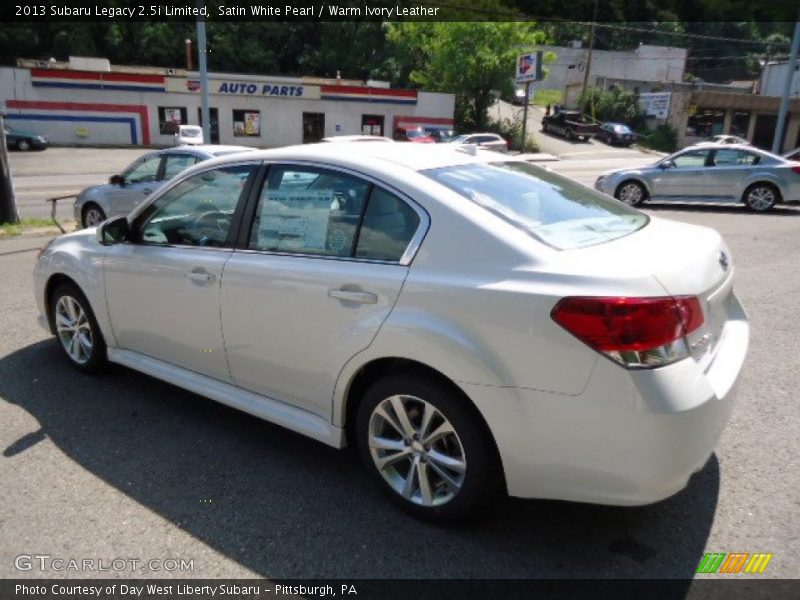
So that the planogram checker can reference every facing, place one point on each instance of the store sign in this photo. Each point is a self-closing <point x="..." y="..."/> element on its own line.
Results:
<point x="529" y="67"/>
<point x="655" y="104"/>
<point x="233" y="87"/>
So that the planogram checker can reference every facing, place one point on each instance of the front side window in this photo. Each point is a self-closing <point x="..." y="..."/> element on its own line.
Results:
<point x="691" y="160"/>
<point x="198" y="211"/>
<point x="547" y="206"/>
<point x="144" y="170"/>
<point x="175" y="163"/>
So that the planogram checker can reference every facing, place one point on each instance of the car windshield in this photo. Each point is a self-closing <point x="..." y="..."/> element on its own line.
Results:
<point x="459" y="139"/>
<point x="415" y="133"/>
<point x="624" y="129"/>
<point x="549" y="207"/>
<point x="191" y="131"/>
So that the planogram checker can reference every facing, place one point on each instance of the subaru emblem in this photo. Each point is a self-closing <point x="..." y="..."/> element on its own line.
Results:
<point x="723" y="261"/>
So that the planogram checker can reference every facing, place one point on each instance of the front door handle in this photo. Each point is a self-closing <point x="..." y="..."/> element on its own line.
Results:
<point x="353" y="296"/>
<point x="200" y="276"/>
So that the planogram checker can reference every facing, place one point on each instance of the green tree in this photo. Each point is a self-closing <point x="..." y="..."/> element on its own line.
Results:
<point x="474" y="61"/>
<point x="614" y="104"/>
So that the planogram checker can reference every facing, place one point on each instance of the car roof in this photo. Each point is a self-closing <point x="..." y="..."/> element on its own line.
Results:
<point x="716" y="146"/>
<point x="357" y="138"/>
<point x="207" y="149"/>
<point x="378" y="157"/>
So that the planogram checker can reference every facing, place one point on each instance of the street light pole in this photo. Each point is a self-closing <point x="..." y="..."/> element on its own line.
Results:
<point x="205" y="113"/>
<point x="777" y="141"/>
<point x="591" y="48"/>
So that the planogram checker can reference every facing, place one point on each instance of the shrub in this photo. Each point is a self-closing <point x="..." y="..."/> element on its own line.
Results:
<point x="613" y="104"/>
<point x="512" y="132"/>
<point x="663" y="138"/>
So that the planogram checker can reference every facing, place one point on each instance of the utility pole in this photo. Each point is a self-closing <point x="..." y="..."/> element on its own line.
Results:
<point x="591" y="48"/>
<point x="777" y="141"/>
<point x="8" y="204"/>
<point x="525" y="117"/>
<point x="205" y="113"/>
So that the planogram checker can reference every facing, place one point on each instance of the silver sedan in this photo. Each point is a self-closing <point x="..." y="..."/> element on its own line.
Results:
<point x="716" y="173"/>
<point x="126" y="191"/>
<point x="473" y="323"/>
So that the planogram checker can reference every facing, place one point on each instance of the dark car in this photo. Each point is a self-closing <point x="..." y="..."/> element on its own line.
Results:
<point x="616" y="133"/>
<point x="413" y="134"/>
<point x="573" y="125"/>
<point x="24" y="140"/>
<point x="440" y="134"/>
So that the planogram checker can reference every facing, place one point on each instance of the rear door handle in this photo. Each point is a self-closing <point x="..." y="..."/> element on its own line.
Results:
<point x="200" y="276"/>
<point x="353" y="296"/>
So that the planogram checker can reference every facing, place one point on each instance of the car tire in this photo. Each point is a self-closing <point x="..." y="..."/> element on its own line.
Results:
<point x="92" y="215"/>
<point x="568" y="134"/>
<point x="23" y="145"/>
<point x="761" y="197"/>
<point x="631" y="192"/>
<point x="459" y="465"/>
<point x="77" y="332"/>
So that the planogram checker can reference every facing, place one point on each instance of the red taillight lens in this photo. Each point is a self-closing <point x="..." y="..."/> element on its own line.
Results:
<point x="630" y="325"/>
<point x="796" y="169"/>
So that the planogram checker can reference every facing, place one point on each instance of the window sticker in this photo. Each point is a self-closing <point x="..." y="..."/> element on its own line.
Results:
<point x="295" y="221"/>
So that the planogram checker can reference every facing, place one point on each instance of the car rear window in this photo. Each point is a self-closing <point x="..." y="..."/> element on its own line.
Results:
<point x="551" y="208"/>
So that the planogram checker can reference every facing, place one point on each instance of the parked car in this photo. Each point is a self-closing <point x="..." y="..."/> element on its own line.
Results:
<point x="724" y="139"/>
<point x="189" y="135"/>
<point x="440" y="135"/>
<point x="357" y="138"/>
<point x="16" y="139"/>
<point x="793" y="155"/>
<point x="145" y="175"/>
<point x="572" y="125"/>
<point x="616" y="133"/>
<point x="712" y="173"/>
<point x="413" y="134"/>
<point x="473" y="323"/>
<point x="484" y="141"/>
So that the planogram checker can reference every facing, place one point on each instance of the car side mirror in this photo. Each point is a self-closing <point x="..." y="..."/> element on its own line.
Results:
<point x="116" y="180"/>
<point x="667" y="164"/>
<point x="113" y="231"/>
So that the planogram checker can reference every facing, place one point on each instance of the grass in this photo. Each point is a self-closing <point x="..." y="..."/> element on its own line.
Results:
<point x="25" y="226"/>
<point x="545" y="97"/>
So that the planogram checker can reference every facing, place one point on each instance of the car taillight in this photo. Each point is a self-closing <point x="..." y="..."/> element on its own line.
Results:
<point x="796" y="169"/>
<point x="635" y="332"/>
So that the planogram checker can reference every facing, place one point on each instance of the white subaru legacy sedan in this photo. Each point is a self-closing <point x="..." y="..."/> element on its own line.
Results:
<point x="473" y="323"/>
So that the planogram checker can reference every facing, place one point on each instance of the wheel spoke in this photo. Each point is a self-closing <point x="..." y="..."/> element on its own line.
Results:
<point x="86" y="343"/>
<point x="425" y="484"/>
<point x="452" y="463"/>
<point x="408" y="486"/>
<point x="442" y="430"/>
<point x="383" y="414"/>
<point x="448" y="479"/>
<point x="402" y="416"/>
<point x="389" y="460"/>
<point x="62" y="321"/>
<point x="427" y="416"/>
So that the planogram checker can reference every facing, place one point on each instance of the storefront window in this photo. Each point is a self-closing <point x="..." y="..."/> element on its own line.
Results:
<point x="246" y="123"/>
<point x="170" y="118"/>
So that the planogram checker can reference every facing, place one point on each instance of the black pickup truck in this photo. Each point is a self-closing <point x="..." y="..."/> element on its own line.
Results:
<point x="571" y="124"/>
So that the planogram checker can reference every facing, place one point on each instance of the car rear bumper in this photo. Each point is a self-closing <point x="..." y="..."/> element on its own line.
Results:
<point x="631" y="437"/>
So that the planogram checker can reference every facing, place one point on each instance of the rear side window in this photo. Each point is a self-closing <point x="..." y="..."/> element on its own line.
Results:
<point x="312" y="211"/>
<point x="388" y="226"/>
<point x="549" y="207"/>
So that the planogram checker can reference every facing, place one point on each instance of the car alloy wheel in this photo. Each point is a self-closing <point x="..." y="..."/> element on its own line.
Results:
<point x="77" y="330"/>
<point x="23" y="145"/>
<point x="761" y="198"/>
<point x="93" y="216"/>
<point x="416" y="450"/>
<point x="631" y="193"/>
<point x="426" y="446"/>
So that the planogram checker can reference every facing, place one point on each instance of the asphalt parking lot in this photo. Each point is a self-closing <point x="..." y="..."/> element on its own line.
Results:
<point x="122" y="465"/>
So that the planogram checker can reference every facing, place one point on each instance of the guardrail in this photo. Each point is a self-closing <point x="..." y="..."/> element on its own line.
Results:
<point x="53" y="202"/>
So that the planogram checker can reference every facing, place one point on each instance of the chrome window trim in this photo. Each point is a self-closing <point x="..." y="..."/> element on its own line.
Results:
<point x="413" y="245"/>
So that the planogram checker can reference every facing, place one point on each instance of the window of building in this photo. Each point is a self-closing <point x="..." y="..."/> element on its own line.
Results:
<point x="246" y="123"/>
<point x="372" y="124"/>
<point x="170" y="118"/>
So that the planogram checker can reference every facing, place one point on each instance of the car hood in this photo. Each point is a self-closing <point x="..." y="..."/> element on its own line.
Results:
<point x="95" y="191"/>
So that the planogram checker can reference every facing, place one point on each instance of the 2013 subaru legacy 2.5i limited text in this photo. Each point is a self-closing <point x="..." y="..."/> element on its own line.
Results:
<point x="472" y="322"/>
